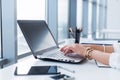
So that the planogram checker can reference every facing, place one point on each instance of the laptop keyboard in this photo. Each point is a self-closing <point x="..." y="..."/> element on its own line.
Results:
<point x="58" y="55"/>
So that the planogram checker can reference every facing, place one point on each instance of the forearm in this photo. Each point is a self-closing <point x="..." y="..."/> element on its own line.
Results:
<point x="108" y="49"/>
<point x="100" y="56"/>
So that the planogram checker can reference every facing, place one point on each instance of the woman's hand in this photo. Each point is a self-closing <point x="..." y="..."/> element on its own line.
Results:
<point x="75" y="48"/>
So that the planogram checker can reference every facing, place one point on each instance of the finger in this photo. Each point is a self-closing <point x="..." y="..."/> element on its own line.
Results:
<point x="66" y="51"/>
<point x="72" y="48"/>
<point x="63" y="48"/>
<point x="70" y="51"/>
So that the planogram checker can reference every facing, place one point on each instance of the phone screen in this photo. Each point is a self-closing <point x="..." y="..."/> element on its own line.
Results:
<point x="36" y="70"/>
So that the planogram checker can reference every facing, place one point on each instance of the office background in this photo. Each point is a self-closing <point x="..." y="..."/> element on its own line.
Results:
<point x="97" y="18"/>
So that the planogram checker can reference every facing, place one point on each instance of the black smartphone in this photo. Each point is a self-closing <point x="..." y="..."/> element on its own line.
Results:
<point x="62" y="77"/>
<point x="37" y="70"/>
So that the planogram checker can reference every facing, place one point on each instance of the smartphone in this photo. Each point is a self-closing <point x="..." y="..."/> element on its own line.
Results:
<point x="37" y="70"/>
<point x="62" y="77"/>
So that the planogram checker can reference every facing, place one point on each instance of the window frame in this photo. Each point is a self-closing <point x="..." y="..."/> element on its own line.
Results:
<point x="1" y="30"/>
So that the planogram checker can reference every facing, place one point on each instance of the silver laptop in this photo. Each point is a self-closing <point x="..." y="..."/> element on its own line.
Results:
<point x="42" y="43"/>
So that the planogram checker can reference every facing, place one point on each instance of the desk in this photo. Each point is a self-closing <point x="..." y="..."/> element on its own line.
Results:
<point x="85" y="71"/>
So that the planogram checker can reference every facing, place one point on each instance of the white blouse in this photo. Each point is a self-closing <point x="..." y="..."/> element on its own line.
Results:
<point x="114" y="60"/>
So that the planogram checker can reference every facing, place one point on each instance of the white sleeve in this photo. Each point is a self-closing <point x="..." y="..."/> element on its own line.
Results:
<point x="114" y="60"/>
<point x="116" y="47"/>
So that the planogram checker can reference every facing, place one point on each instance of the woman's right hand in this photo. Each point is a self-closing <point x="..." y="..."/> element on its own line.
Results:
<point x="75" y="48"/>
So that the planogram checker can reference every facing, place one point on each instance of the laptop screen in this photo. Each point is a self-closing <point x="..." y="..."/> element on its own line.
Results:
<point x="37" y="35"/>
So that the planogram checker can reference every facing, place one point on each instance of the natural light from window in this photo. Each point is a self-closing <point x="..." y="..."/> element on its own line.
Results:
<point x="62" y="19"/>
<point x="28" y="10"/>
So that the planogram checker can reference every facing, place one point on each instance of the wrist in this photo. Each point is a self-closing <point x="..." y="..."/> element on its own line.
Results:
<point x="88" y="53"/>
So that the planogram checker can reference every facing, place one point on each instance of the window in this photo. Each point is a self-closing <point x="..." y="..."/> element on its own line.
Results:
<point x="97" y="20"/>
<point x="28" y="10"/>
<point x="113" y="20"/>
<point x="90" y="19"/>
<point x="101" y="17"/>
<point x="79" y="13"/>
<point x="62" y="19"/>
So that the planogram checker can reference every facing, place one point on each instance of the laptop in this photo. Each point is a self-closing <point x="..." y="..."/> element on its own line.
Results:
<point x="42" y="43"/>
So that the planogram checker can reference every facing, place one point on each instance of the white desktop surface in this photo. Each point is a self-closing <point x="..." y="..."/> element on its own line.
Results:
<point x="85" y="71"/>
